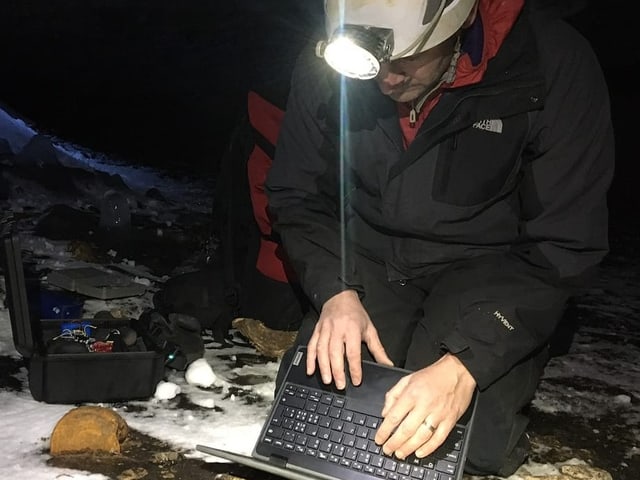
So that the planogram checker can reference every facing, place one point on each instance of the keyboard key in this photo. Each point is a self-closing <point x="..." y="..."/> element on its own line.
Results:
<point x="338" y="450"/>
<point x="324" y="422"/>
<point x="274" y="432"/>
<point x="372" y="422"/>
<point x="322" y="409"/>
<point x="446" y="467"/>
<point x="432" y="475"/>
<point x="349" y="429"/>
<point x="373" y="448"/>
<point x="334" y="412"/>
<point x="359" y="418"/>
<point x="293" y="401"/>
<point x="390" y="464"/>
<point x="364" y="457"/>
<point x="348" y="440"/>
<point x="325" y="446"/>
<point x="347" y="415"/>
<point x="361" y="444"/>
<point x="313" y="443"/>
<point x="417" y="472"/>
<point x="376" y="460"/>
<point x="351" y="453"/>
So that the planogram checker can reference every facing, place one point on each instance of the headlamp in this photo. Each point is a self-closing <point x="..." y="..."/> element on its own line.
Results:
<point x="356" y="51"/>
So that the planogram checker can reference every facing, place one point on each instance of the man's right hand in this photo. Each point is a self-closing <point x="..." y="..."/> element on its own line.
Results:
<point x="342" y="327"/>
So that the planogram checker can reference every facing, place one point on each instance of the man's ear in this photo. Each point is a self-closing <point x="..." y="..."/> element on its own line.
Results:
<point x="472" y="16"/>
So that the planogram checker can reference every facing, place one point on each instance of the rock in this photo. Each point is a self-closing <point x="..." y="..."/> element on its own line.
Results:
<point x="566" y="471"/>
<point x="165" y="457"/>
<point x="5" y="148"/>
<point x="82" y="250"/>
<point x="39" y="151"/>
<point x="584" y="472"/>
<point x="133" y="474"/>
<point x="268" y="342"/>
<point x="88" y="429"/>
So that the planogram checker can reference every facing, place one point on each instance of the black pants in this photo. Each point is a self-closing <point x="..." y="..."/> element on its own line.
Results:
<point x="407" y="320"/>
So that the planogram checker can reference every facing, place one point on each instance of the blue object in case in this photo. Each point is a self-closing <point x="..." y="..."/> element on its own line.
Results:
<point x="60" y="305"/>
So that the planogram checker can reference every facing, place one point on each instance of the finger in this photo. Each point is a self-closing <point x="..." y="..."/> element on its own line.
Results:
<point x="392" y="420"/>
<point x="336" y="358"/>
<point x="393" y="394"/>
<point x="422" y="438"/>
<point x="377" y="349"/>
<point x="312" y="350"/>
<point x="322" y="357"/>
<point x="353" y="352"/>
<point x="436" y="439"/>
<point x="402" y="435"/>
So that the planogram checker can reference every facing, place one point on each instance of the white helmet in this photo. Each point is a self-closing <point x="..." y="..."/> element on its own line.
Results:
<point x="372" y="31"/>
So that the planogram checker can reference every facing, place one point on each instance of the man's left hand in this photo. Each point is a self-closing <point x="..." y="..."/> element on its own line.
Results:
<point x="423" y="407"/>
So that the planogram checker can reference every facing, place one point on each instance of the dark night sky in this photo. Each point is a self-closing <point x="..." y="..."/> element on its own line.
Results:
<point x="162" y="81"/>
<point x="152" y="81"/>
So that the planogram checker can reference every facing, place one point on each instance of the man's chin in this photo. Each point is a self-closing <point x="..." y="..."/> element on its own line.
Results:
<point x="405" y="96"/>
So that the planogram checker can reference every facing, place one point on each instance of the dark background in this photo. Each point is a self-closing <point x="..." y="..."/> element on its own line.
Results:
<point x="162" y="82"/>
<point x="157" y="82"/>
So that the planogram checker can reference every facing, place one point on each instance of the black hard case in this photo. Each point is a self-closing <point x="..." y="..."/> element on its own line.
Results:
<point x="72" y="378"/>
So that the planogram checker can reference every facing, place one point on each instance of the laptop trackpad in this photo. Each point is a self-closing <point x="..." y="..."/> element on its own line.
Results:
<point x="369" y="395"/>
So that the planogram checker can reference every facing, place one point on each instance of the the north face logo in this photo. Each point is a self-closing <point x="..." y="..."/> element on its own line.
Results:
<point x="494" y="126"/>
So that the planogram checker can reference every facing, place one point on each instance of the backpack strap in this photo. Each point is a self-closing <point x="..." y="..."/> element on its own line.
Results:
<point x="265" y="118"/>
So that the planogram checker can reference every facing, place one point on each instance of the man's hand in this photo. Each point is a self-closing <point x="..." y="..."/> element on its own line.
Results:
<point x="343" y="326"/>
<point x="423" y="407"/>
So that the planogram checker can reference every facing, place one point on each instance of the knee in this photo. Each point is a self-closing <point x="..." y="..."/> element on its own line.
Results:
<point x="499" y="444"/>
<point x="501" y="460"/>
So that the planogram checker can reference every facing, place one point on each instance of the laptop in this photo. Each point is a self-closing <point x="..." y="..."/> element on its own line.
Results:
<point x="314" y="431"/>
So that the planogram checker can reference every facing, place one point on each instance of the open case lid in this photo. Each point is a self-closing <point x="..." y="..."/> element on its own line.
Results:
<point x="17" y="301"/>
<point x="95" y="282"/>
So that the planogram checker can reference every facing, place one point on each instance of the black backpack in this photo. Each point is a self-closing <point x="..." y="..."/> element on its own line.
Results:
<point x="213" y="294"/>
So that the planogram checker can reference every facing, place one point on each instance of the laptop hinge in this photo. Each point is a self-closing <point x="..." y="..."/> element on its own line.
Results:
<point x="278" y="460"/>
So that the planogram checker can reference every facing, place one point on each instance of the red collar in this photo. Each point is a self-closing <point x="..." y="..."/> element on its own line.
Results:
<point x="497" y="17"/>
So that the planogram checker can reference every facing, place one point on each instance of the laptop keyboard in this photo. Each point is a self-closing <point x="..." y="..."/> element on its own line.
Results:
<point x="320" y="424"/>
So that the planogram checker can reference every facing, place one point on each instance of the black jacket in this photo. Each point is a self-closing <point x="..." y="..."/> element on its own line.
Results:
<point x="503" y="191"/>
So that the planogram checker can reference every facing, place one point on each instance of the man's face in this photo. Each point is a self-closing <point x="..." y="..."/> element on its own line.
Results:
<point x="406" y="79"/>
